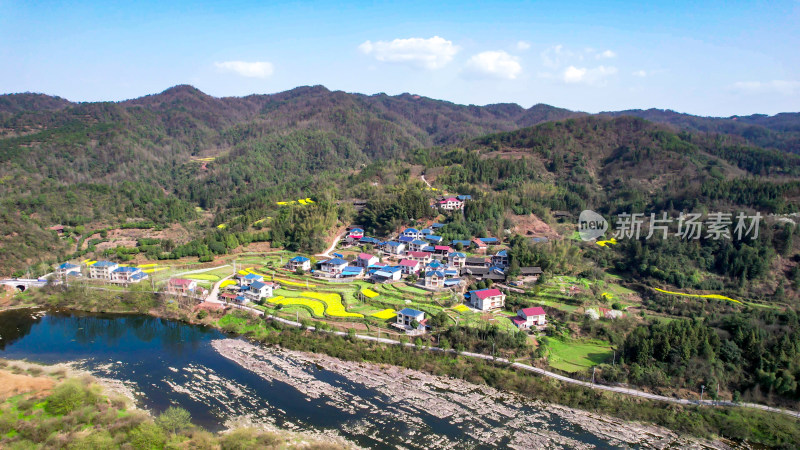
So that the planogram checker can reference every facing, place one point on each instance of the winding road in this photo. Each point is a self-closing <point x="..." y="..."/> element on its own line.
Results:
<point x="336" y="240"/>
<point x="546" y="373"/>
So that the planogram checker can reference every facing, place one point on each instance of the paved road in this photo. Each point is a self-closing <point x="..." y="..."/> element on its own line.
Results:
<point x="200" y="270"/>
<point x="336" y="240"/>
<point x="213" y="296"/>
<point x="546" y="373"/>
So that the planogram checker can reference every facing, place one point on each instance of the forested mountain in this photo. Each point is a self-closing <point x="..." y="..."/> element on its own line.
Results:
<point x="160" y="157"/>
<point x="781" y="131"/>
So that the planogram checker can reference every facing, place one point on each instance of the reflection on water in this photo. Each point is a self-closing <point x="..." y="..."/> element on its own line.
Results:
<point x="171" y="363"/>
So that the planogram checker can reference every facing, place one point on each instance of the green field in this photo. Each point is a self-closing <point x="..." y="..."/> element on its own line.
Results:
<point x="575" y="356"/>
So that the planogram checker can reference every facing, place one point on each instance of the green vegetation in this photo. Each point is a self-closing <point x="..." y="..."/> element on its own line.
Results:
<point x="78" y="414"/>
<point x="195" y="179"/>
<point x="736" y="423"/>
<point x="576" y="356"/>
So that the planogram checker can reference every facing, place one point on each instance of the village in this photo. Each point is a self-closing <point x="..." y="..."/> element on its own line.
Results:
<point x="412" y="283"/>
<point x="417" y="259"/>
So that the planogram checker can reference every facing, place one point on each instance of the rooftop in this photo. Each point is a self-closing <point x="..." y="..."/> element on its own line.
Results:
<point x="410" y="312"/>
<point x="533" y="311"/>
<point x="486" y="293"/>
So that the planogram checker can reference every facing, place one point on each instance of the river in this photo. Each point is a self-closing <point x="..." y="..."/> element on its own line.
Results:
<point x="220" y="379"/>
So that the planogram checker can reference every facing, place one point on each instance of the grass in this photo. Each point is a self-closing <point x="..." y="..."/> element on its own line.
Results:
<point x="240" y="325"/>
<point x="576" y="356"/>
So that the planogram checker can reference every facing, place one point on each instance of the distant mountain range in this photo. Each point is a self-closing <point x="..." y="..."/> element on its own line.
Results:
<point x="106" y="162"/>
<point x="441" y="121"/>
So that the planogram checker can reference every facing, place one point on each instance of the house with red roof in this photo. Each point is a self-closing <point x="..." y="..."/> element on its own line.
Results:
<point x="486" y="299"/>
<point x="450" y="203"/>
<point x="442" y="250"/>
<point x="354" y="235"/>
<point x="365" y="260"/>
<point x="228" y="297"/>
<point x="181" y="286"/>
<point x="528" y="318"/>
<point x="410" y="267"/>
<point x="423" y="257"/>
<point x="481" y="246"/>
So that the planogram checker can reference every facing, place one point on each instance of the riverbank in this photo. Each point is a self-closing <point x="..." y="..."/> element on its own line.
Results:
<point x="490" y="417"/>
<point x="62" y="407"/>
<point x="704" y="422"/>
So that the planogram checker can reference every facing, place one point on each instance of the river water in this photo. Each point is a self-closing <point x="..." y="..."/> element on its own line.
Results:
<point x="171" y="363"/>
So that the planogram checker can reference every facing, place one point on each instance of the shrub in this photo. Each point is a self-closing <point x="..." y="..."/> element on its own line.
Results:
<point x="147" y="436"/>
<point x="69" y="396"/>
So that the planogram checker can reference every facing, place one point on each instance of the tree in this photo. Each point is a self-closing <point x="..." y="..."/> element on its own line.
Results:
<point x="147" y="436"/>
<point x="439" y="320"/>
<point x="68" y="397"/>
<point x="174" y="419"/>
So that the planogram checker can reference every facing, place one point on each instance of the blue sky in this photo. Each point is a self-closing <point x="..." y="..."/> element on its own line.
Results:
<point x="708" y="58"/>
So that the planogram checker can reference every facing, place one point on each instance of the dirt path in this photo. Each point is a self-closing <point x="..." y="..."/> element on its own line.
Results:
<point x="425" y="181"/>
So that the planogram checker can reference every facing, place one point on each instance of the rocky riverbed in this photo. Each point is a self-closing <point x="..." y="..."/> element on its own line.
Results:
<point x="439" y="412"/>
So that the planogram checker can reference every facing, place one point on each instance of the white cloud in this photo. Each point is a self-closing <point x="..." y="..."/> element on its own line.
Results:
<point x="523" y="45"/>
<point x="254" y="69"/>
<point x="433" y="53"/>
<point x="494" y="64"/>
<point x="768" y="87"/>
<point x="606" y="55"/>
<point x="640" y="73"/>
<point x="574" y="74"/>
<point x="555" y="56"/>
<point x="594" y="76"/>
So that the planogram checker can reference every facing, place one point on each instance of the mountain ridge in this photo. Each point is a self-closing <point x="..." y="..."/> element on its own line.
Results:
<point x="780" y="131"/>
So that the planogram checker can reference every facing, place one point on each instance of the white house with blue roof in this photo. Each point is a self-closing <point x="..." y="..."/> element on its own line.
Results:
<point x="500" y="258"/>
<point x="406" y="318"/>
<point x="68" y="269"/>
<point x="127" y="275"/>
<point x="249" y="279"/>
<point x="413" y="233"/>
<point x="417" y="245"/>
<point x="333" y="266"/>
<point x="457" y="259"/>
<point x="434" y="279"/>
<point x="299" y="262"/>
<point x="387" y="274"/>
<point x="259" y="290"/>
<point x="394" y="248"/>
<point x="102" y="270"/>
